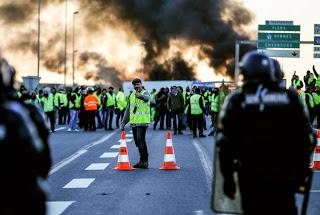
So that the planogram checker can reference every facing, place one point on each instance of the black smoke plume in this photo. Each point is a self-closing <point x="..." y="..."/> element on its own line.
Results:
<point x="216" y="24"/>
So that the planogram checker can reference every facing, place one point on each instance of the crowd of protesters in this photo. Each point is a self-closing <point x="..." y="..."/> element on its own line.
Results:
<point x="91" y="108"/>
<point x="310" y="97"/>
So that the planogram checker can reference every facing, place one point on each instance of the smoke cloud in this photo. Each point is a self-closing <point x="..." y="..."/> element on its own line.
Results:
<point x="211" y="25"/>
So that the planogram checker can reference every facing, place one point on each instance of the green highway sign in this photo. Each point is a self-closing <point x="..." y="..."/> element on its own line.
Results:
<point x="316" y="55"/>
<point x="278" y="44"/>
<point x="280" y="53"/>
<point x="279" y="36"/>
<point x="316" y="28"/>
<point x="279" y="28"/>
<point x="316" y="40"/>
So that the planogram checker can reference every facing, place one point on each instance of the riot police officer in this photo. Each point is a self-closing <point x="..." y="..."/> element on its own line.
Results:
<point x="265" y="136"/>
<point x="22" y="151"/>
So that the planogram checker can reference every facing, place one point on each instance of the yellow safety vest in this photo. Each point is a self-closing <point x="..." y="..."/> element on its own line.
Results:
<point x="139" y="110"/>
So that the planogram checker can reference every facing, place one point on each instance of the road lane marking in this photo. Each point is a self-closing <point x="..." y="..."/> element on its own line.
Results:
<point x="129" y="135"/>
<point x="58" y="129"/>
<point x="205" y="162"/>
<point x="97" y="166"/>
<point x="77" y="154"/>
<point x="127" y="140"/>
<point x="66" y="161"/>
<point x="109" y="155"/>
<point x="115" y="146"/>
<point x="57" y="207"/>
<point x="79" y="183"/>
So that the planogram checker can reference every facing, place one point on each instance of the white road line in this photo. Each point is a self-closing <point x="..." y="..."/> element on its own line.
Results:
<point x="129" y="135"/>
<point x="205" y="162"/>
<point x="127" y="140"/>
<point x="66" y="161"/>
<point x="82" y="150"/>
<point x="130" y="131"/>
<point x="109" y="155"/>
<point x="79" y="183"/>
<point x="115" y="147"/>
<point x="58" y="129"/>
<point x="97" y="166"/>
<point x="57" y="207"/>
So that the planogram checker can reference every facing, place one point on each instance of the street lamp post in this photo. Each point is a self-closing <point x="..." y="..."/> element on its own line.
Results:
<point x="65" y="43"/>
<point x="142" y="64"/>
<point x="38" y="48"/>
<point x="73" y="46"/>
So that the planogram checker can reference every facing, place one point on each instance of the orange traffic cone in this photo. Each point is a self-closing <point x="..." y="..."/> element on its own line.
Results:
<point x="169" y="157"/>
<point x="123" y="158"/>
<point x="316" y="155"/>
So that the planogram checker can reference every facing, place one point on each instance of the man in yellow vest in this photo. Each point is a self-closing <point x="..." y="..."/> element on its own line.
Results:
<point x="121" y="102"/>
<point x="138" y="114"/>
<point x="197" y="110"/>
<point x="110" y="104"/>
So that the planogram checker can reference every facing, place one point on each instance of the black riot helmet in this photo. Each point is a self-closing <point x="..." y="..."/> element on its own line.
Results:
<point x="278" y="74"/>
<point x="257" y="68"/>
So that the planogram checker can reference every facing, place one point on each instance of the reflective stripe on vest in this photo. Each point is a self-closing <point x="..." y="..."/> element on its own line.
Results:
<point x="316" y="98"/>
<point x="111" y="100"/>
<point x="48" y="103"/>
<point x="311" y="102"/>
<point x="195" y="106"/>
<point x="139" y="110"/>
<point x="215" y="103"/>
<point x="121" y="100"/>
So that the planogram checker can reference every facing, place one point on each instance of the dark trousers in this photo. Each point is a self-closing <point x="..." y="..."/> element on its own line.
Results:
<point x="168" y="119"/>
<point x="90" y="123"/>
<point x="62" y="115"/>
<point x="82" y="118"/>
<point x="109" y="118"/>
<point x="159" y="117"/>
<point x="197" y="122"/>
<point x="120" y="117"/>
<point x="214" y="116"/>
<point x="176" y="114"/>
<point x="139" y="136"/>
<point x="50" y="116"/>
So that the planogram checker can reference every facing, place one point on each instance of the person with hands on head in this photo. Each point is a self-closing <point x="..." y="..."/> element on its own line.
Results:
<point x="138" y="114"/>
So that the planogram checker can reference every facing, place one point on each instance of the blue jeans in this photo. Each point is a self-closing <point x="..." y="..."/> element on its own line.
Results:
<point x="73" y="118"/>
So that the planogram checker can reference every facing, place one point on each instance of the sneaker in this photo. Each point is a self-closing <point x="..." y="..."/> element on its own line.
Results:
<point x="69" y="129"/>
<point x="77" y="130"/>
<point x="180" y="132"/>
<point x="202" y="135"/>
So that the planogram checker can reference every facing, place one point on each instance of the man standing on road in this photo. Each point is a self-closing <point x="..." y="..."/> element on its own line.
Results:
<point x="138" y="114"/>
<point x="175" y="105"/>
<point x="197" y="111"/>
<point x="261" y="127"/>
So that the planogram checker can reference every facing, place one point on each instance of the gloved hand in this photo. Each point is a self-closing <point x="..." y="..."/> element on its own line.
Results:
<point x="229" y="188"/>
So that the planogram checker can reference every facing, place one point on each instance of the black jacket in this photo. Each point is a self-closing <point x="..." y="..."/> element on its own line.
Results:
<point x="265" y="135"/>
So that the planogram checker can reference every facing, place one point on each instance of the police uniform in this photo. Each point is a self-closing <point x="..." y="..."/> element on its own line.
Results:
<point x="264" y="135"/>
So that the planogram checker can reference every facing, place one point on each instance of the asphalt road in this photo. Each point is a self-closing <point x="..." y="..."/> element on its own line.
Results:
<point x="82" y="180"/>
